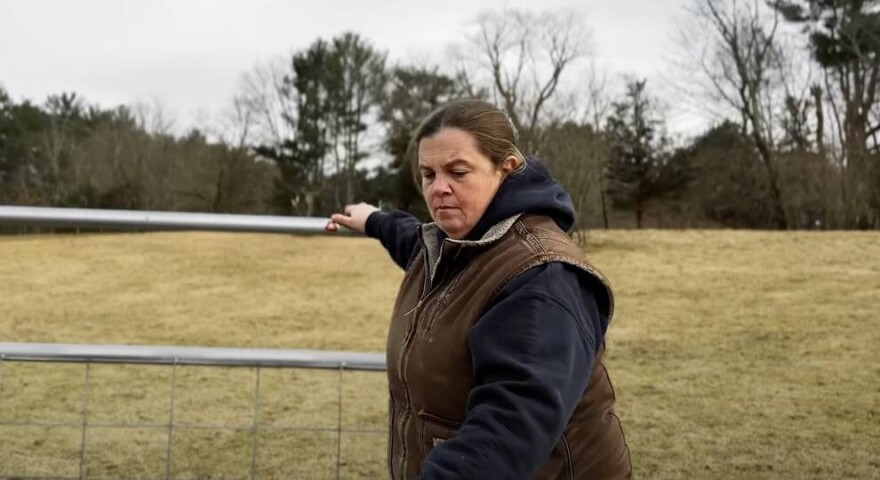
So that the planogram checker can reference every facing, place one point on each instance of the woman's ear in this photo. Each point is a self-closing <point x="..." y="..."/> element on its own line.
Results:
<point x="510" y="164"/>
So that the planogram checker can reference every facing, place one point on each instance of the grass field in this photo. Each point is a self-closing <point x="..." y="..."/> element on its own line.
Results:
<point x="734" y="354"/>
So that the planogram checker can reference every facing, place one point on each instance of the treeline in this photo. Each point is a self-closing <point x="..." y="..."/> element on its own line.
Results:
<point x="331" y="124"/>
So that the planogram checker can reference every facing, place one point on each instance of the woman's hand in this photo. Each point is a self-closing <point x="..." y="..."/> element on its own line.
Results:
<point x="354" y="218"/>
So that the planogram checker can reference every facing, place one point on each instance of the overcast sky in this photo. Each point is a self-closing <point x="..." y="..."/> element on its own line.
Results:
<point x="190" y="54"/>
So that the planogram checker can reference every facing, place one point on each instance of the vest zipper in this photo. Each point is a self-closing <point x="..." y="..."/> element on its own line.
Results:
<point x="566" y="458"/>
<point x="444" y="296"/>
<point x="404" y="350"/>
<point x="441" y="302"/>
<point x="427" y="291"/>
<point x="392" y="431"/>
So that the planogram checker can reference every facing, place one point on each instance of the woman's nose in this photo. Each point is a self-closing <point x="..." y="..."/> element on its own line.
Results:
<point x="441" y="185"/>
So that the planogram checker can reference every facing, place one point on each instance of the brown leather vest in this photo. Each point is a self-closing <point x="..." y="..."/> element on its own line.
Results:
<point x="429" y="362"/>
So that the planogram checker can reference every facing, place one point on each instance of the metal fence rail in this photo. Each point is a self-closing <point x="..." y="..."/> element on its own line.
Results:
<point x="161" y="355"/>
<point x="257" y="359"/>
<point x="175" y="357"/>
<point x="155" y="220"/>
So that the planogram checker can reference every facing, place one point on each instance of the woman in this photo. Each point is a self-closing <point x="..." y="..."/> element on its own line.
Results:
<point x="496" y="340"/>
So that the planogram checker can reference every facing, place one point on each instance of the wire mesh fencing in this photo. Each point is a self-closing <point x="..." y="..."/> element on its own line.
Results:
<point x="92" y="411"/>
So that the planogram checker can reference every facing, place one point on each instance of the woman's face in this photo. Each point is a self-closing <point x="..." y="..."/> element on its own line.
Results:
<point x="458" y="181"/>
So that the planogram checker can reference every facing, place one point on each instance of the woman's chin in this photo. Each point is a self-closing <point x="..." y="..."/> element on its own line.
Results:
<point x="452" y="228"/>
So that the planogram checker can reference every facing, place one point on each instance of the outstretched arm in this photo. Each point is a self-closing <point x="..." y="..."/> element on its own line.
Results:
<point x="397" y="231"/>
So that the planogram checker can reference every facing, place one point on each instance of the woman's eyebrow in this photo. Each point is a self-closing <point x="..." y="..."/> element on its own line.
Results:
<point x="456" y="163"/>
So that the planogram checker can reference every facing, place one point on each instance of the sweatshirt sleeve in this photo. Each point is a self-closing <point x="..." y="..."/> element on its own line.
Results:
<point x="398" y="232"/>
<point x="532" y="351"/>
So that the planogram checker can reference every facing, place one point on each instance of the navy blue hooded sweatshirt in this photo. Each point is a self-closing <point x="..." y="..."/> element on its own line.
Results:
<point x="532" y="349"/>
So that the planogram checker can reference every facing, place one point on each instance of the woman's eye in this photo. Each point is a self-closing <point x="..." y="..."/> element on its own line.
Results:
<point x="459" y="174"/>
<point x="428" y="175"/>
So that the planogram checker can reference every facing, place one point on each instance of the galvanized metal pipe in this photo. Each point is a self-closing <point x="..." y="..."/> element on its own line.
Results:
<point x="155" y="220"/>
<point x="213" y="356"/>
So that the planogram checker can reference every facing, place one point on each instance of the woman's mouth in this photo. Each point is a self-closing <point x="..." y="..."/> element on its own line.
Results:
<point x="444" y="210"/>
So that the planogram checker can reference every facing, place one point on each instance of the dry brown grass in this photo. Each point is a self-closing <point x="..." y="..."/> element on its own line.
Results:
<point x="734" y="354"/>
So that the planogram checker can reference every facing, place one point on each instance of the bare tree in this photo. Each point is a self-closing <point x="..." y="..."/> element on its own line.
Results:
<point x="58" y="141"/>
<point x="267" y="103"/>
<point x="844" y="38"/>
<point x="235" y="124"/>
<point x="576" y="155"/>
<point x="874" y="131"/>
<point x="734" y="45"/>
<point x="519" y="57"/>
<point x="598" y="107"/>
<point x="153" y="116"/>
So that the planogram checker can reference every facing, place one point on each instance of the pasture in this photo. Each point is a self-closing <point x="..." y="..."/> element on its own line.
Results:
<point x="734" y="354"/>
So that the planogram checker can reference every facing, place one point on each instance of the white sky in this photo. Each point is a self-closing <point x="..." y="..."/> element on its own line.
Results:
<point x="190" y="54"/>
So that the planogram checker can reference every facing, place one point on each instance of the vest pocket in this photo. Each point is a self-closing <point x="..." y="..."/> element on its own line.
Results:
<point x="434" y="430"/>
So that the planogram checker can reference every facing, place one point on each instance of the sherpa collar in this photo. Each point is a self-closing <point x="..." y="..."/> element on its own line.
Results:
<point x="434" y="248"/>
